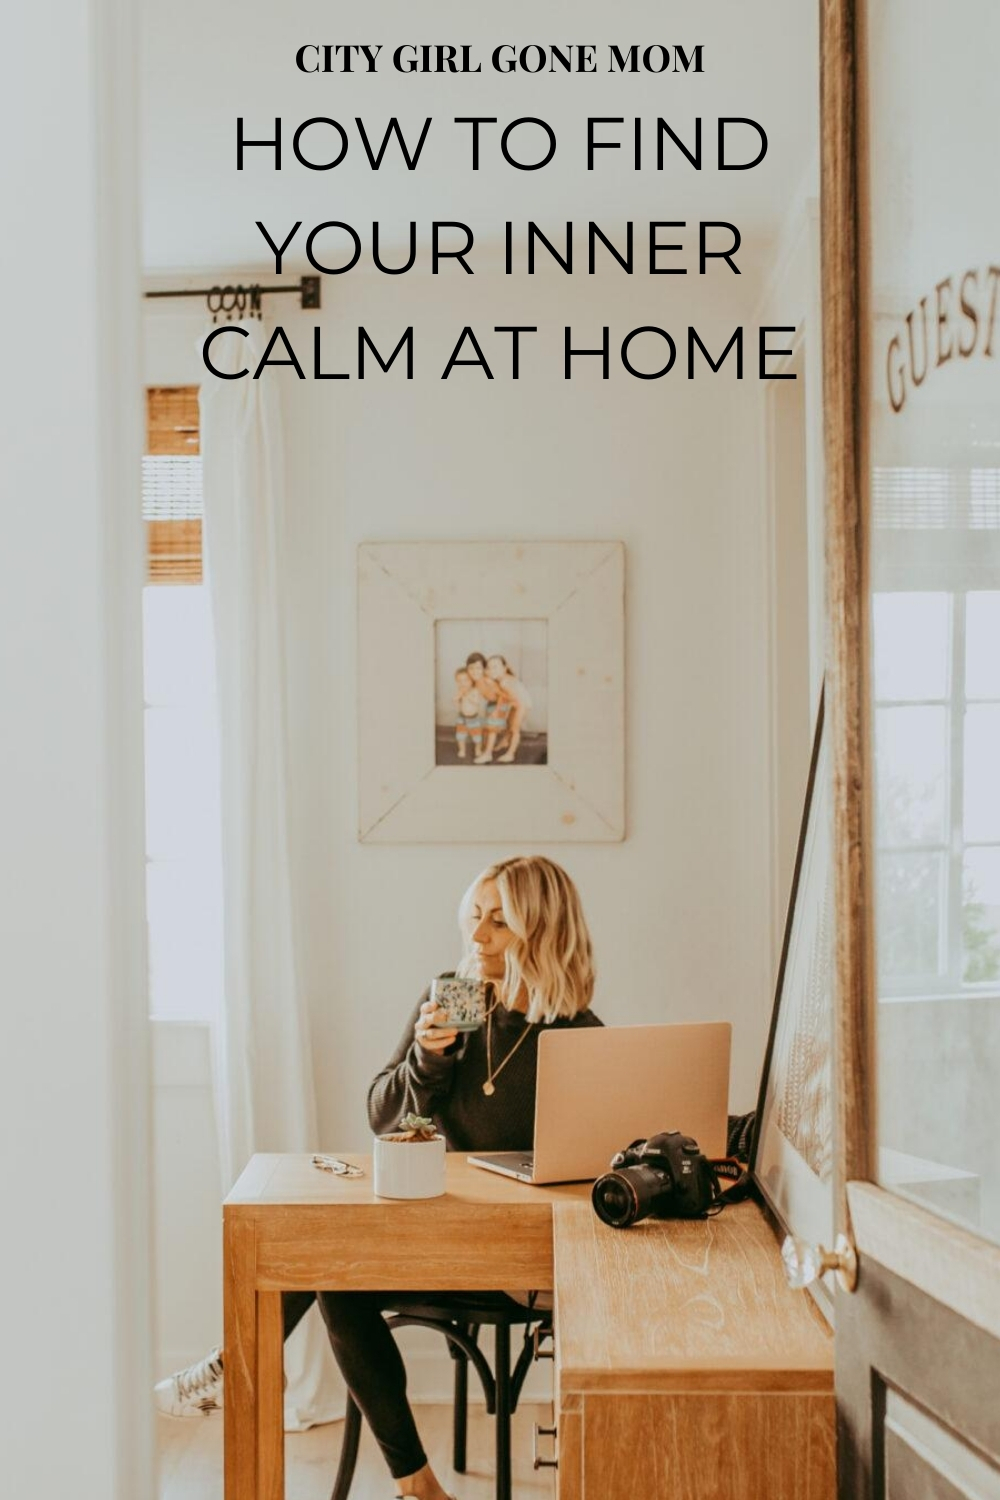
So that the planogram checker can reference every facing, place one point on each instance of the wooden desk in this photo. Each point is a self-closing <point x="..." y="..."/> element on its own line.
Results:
<point x="288" y="1226"/>
<point x="650" y="1324"/>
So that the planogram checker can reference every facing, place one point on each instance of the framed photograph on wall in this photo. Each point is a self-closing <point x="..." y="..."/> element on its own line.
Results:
<point x="791" y="1156"/>
<point x="491" y="692"/>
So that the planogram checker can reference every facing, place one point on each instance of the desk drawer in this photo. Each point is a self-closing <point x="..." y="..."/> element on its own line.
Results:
<point x="751" y="1446"/>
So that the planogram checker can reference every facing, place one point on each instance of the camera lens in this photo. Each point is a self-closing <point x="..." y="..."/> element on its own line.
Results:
<point x="624" y="1197"/>
<point x="614" y="1200"/>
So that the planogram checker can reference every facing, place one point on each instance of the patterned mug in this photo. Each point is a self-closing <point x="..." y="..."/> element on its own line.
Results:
<point x="465" y="1001"/>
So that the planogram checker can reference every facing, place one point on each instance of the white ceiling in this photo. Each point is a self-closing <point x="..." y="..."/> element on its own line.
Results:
<point x="205" y="62"/>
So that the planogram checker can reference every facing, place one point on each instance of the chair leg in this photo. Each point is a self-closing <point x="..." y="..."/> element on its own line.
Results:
<point x="455" y="1336"/>
<point x="348" y="1451"/>
<point x="502" y="1376"/>
<point x="460" y="1411"/>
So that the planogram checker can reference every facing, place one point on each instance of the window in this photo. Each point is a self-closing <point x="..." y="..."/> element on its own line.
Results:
<point x="183" y="843"/>
<point x="171" y="486"/>
<point x="937" y="742"/>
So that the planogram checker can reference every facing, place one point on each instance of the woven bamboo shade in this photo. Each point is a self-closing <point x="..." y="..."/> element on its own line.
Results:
<point x="171" y="485"/>
<point x="172" y="424"/>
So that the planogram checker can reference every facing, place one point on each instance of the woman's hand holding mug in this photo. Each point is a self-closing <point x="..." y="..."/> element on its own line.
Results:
<point x="432" y="1030"/>
<point x="455" y="1005"/>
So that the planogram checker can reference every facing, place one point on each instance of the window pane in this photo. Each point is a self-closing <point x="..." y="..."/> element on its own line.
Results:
<point x="982" y="645"/>
<point x="912" y="641"/>
<point x="911" y="763"/>
<point x="184" y="907"/>
<point x="911" y="907"/>
<point x="982" y="775"/>
<point x="984" y="499"/>
<point x="981" y="916"/>
<point x="182" y="782"/>
<point x="178" y="659"/>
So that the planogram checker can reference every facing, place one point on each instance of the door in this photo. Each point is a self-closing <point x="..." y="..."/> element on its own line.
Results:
<point x="912" y="397"/>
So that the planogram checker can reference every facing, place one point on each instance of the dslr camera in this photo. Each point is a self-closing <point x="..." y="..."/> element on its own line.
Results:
<point x="666" y="1176"/>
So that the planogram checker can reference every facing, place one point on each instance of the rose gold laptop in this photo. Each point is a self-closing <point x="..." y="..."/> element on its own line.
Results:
<point x="602" y="1087"/>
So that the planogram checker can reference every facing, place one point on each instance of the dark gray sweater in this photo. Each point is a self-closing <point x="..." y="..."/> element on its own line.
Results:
<point x="448" y="1086"/>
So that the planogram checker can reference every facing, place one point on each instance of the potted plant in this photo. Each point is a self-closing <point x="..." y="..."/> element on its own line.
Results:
<point x="409" y="1161"/>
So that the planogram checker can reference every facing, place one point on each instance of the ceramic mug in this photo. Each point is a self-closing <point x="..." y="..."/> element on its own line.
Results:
<point x="464" y="1001"/>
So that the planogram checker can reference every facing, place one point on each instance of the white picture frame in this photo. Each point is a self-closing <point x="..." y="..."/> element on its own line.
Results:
<point x="404" y="589"/>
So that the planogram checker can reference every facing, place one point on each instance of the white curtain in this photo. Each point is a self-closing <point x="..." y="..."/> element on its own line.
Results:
<point x="266" y="1097"/>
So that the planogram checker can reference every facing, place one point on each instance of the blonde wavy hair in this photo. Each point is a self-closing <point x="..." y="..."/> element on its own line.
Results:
<point x="550" y="953"/>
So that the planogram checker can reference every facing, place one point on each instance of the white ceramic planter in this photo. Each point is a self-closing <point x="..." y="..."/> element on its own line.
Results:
<point x="409" y="1169"/>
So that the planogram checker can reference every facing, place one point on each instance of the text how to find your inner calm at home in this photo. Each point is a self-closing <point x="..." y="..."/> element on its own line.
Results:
<point x="526" y="144"/>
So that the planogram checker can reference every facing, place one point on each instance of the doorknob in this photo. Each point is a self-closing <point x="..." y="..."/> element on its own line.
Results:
<point x="806" y="1263"/>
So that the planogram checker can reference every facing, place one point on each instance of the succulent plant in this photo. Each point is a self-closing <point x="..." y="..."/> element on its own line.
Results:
<point x="415" y="1128"/>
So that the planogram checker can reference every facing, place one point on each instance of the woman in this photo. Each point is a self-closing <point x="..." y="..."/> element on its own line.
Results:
<point x="523" y="928"/>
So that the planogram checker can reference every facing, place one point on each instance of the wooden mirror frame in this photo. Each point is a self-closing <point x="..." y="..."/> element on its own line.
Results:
<point x="946" y="1261"/>
<point x="844" y="261"/>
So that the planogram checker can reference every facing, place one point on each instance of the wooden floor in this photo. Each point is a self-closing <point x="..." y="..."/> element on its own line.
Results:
<point x="191" y="1458"/>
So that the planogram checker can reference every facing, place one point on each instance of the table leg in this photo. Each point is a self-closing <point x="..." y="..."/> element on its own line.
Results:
<point x="240" y="1358"/>
<point x="270" y="1397"/>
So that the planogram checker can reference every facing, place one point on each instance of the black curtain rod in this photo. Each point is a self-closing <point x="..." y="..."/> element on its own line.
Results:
<point x="240" y="298"/>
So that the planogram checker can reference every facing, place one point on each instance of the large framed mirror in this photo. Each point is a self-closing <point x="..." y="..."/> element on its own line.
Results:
<point x="912" y="289"/>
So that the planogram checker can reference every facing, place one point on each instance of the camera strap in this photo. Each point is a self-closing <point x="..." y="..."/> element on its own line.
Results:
<point x="737" y="1173"/>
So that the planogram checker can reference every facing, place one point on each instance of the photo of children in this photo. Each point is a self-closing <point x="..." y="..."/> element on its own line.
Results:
<point x="471" y="706"/>
<point x="485" y="712"/>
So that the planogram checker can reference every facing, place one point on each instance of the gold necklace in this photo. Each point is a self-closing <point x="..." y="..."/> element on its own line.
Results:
<point x="489" y="1086"/>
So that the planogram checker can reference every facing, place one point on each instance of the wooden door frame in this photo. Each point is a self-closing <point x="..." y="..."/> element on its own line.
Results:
<point x="950" y="1264"/>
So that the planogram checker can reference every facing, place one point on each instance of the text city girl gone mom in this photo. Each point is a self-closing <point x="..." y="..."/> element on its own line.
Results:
<point x="444" y="57"/>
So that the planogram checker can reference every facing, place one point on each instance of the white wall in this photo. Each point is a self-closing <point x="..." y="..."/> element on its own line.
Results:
<point x="794" y="536"/>
<point x="74" y="1250"/>
<point x="675" y="909"/>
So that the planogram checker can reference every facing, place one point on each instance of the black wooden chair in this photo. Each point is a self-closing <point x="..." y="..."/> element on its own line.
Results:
<point x="460" y="1319"/>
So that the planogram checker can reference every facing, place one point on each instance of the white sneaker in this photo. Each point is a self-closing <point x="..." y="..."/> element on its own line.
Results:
<point x="194" y="1392"/>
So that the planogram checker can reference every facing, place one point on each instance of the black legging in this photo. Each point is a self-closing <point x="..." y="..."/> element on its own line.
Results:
<point x="371" y="1364"/>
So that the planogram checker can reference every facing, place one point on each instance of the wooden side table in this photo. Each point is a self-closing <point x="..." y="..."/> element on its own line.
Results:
<point x="685" y="1366"/>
